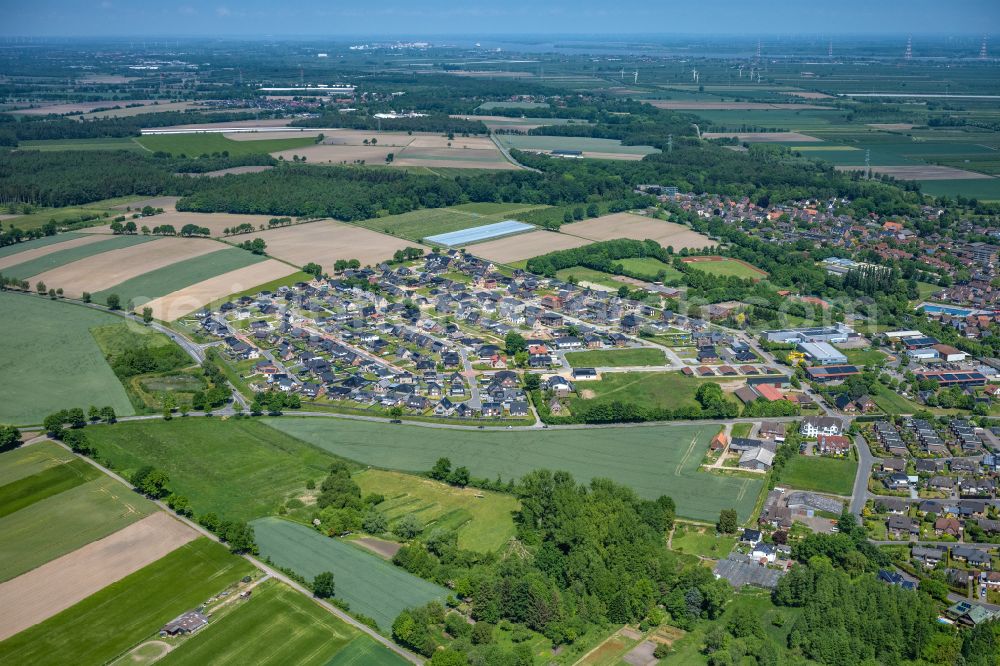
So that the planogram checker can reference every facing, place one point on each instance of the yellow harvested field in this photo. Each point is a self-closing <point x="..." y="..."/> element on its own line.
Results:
<point x="327" y="241"/>
<point x="168" y="204"/>
<point x="525" y="246"/>
<point x="29" y="255"/>
<point x="215" y="222"/>
<point x="324" y="153"/>
<point x="107" y="269"/>
<point x="458" y="143"/>
<point x="638" y="227"/>
<point x="181" y="302"/>
<point x="53" y="587"/>
<point x="752" y="137"/>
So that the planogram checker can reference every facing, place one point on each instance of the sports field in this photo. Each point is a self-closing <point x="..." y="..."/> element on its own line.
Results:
<point x="278" y="626"/>
<point x="653" y="460"/>
<point x="615" y="358"/>
<point x="369" y="584"/>
<point x="819" y="473"/>
<point x="52" y="260"/>
<point x="726" y="267"/>
<point x="51" y="349"/>
<point x="194" y="145"/>
<point x="422" y="223"/>
<point x="111" y="621"/>
<point x="56" y="525"/>
<point x="240" y="469"/>
<point x="481" y="519"/>
<point x="162" y="281"/>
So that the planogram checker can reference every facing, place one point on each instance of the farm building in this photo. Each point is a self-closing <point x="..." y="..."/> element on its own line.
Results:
<point x="188" y="623"/>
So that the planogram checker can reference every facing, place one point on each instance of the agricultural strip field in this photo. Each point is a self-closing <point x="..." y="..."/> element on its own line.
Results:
<point x="608" y="358"/>
<point x="24" y="492"/>
<point x="982" y="189"/>
<point x="326" y="242"/>
<point x="62" y="257"/>
<point x="183" y="301"/>
<point x="184" y="273"/>
<point x="49" y="344"/>
<point x="369" y="584"/>
<point x="653" y="460"/>
<point x="524" y="246"/>
<point x="638" y="227"/>
<point x="820" y="474"/>
<point x="481" y="519"/>
<point x="21" y="253"/>
<point x="123" y="143"/>
<point x="422" y="223"/>
<point x="29" y="460"/>
<point x="194" y="145"/>
<point x="57" y="585"/>
<point x="762" y="137"/>
<point x="726" y="267"/>
<point x="487" y="106"/>
<point x="597" y="148"/>
<point x="240" y="469"/>
<point x="216" y="223"/>
<point x="278" y="626"/>
<point x="730" y="106"/>
<point x="62" y="523"/>
<point x="109" y="622"/>
<point x="99" y="272"/>
<point x="520" y="124"/>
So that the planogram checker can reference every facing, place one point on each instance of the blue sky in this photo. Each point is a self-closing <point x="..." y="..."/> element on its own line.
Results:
<point x="333" y="18"/>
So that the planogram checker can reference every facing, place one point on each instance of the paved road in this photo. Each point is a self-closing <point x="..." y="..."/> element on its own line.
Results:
<point x="865" y="461"/>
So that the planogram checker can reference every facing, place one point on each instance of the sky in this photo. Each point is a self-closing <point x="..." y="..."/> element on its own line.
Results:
<point x="472" y="18"/>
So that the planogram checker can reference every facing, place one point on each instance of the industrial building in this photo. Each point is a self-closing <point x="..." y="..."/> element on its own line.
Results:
<point x="829" y="334"/>
<point x="822" y="353"/>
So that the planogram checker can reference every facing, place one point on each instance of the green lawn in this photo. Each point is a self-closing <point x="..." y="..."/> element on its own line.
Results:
<point x="729" y="268"/>
<point x="668" y="390"/>
<point x="278" y="625"/>
<point x="820" y="473"/>
<point x="481" y="519"/>
<point x="583" y="274"/>
<point x="863" y="356"/>
<point x="741" y="429"/>
<point x="59" y="364"/>
<point x="650" y="268"/>
<point x="419" y="224"/>
<point x="72" y="214"/>
<point x="47" y="262"/>
<point x="369" y="584"/>
<point x="26" y="491"/>
<point x="891" y="402"/>
<point x="984" y="189"/>
<point x="240" y="469"/>
<point x="162" y="281"/>
<point x="615" y="358"/>
<point x="703" y="541"/>
<point x="195" y="145"/>
<point x="29" y="460"/>
<point x="107" y="623"/>
<point x="653" y="460"/>
<point x="60" y="524"/>
<point x="44" y="241"/>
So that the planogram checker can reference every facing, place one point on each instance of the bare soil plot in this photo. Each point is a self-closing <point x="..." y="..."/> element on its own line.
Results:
<point x="348" y="137"/>
<point x="168" y="204"/>
<point x="339" y="153"/>
<point x="77" y="107"/>
<point x="327" y="241"/>
<point x="693" y="105"/>
<point x="214" y="222"/>
<point x="107" y="269"/>
<point x="627" y="225"/>
<point x="754" y="137"/>
<point x="386" y="549"/>
<point x="29" y="255"/>
<point x="189" y="299"/>
<point x="525" y="246"/>
<point x="458" y="143"/>
<point x="138" y="110"/>
<point x="921" y="172"/>
<point x="57" y="585"/>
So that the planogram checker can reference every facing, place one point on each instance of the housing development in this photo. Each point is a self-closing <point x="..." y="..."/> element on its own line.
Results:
<point x="518" y="350"/>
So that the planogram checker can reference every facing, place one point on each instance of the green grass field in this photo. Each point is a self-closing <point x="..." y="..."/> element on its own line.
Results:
<point x="52" y="481"/>
<point x="369" y="584"/>
<point x="60" y="524"/>
<point x="702" y="541"/>
<point x="653" y="460"/>
<point x="72" y="214"/>
<point x="160" y="282"/>
<point x="587" y="144"/>
<point x="863" y="356"/>
<point x="481" y="519"/>
<point x="277" y="625"/>
<point x="729" y="268"/>
<point x="363" y="651"/>
<point x="820" y="473"/>
<point x="986" y="189"/>
<point x="107" y="623"/>
<point x="486" y="106"/>
<point x="47" y="262"/>
<point x="29" y="460"/>
<point x="419" y="224"/>
<point x="891" y="402"/>
<point x="57" y="361"/>
<point x="240" y="469"/>
<point x="583" y="274"/>
<point x="44" y="241"/>
<point x="123" y="143"/>
<point x="647" y="389"/>
<point x="649" y="268"/>
<point x="615" y="358"/>
<point x="195" y="145"/>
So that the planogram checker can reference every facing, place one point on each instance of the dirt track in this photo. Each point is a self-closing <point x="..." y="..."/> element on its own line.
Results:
<point x="57" y="585"/>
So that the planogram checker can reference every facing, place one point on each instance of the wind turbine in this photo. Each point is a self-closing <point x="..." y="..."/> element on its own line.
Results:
<point x="741" y="71"/>
<point x="623" y="74"/>
<point x="635" y="78"/>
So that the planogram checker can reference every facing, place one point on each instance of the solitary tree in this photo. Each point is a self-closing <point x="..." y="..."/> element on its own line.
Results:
<point x="114" y="302"/>
<point x="728" y="522"/>
<point x="147" y="315"/>
<point x="10" y="437"/>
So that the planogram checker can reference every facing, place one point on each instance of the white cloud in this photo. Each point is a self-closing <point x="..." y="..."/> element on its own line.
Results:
<point x="223" y="11"/>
